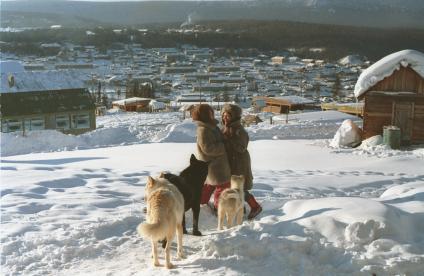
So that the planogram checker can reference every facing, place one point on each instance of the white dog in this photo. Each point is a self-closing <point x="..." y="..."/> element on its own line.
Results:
<point x="231" y="202"/>
<point x="165" y="209"/>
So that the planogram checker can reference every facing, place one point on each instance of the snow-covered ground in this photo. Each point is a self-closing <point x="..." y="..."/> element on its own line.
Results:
<point x="121" y="128"/>
<point x="326" y="211"/>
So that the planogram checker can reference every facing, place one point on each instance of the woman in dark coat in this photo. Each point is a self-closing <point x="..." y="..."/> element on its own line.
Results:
<point x="211" y="148"/>
<point x="236" y="140"/>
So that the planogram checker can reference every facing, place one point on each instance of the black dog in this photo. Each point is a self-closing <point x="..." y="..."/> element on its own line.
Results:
<point x="190" y="183"/>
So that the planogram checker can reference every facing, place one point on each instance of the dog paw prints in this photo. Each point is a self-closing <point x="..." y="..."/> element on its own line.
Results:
<point x="63" y="183"/>
<point x="33" y="208"/>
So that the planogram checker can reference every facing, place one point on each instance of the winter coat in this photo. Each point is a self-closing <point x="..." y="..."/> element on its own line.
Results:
<point x="236" y="140"/>
<point x="210" y="147"/>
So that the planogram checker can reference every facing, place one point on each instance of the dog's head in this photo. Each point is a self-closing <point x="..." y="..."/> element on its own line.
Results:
<point x="237" y="182"/>
<point x="153" y="184"/>
<point x="199" y="166"/>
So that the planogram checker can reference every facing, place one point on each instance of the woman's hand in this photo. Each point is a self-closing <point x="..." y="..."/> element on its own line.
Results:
<point x="227" y="132"/>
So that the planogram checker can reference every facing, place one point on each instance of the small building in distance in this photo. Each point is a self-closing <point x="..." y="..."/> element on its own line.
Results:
<point x="277" y="60"/>
<point x="135" y="104"/>
<point x="40" y="100"/>
<point x="393" y="92"/>
<point x="284" y="104"/>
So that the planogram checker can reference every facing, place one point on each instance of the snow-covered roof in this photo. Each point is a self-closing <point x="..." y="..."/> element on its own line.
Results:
<point x="130" y="100"/>
<point x="157" y="105"/>
<point x="9" y="66"/>
<point x="351" y="60"/>
<point x="28" y="81"/>
<point x="295" y="99"/>
<point x="386" y="66"/>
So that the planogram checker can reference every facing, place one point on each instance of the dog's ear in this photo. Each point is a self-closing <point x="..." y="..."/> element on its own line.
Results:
<point x="162" y="175"/>
<point x="150" y="181"/>
<point x="193" y="159"/>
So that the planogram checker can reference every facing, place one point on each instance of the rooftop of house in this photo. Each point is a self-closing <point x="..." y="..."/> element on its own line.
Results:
<point x="386" y="66"/>
<point x="44" y="102"/>
<point x="27" y="81"/>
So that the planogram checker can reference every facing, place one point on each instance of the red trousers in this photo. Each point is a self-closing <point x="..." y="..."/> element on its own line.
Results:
<point x="207" y="191"/>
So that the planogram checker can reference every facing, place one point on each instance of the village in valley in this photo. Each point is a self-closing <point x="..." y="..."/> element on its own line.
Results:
<point x="336" y="146"/>
<point x="133" y="78"/>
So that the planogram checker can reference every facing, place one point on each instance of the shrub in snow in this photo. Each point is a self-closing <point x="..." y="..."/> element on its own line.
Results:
<point x="348" y="135"/>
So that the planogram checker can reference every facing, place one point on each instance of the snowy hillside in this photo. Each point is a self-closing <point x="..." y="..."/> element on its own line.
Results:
<point x="118" y="128"/>
<point x="326" y="211"/>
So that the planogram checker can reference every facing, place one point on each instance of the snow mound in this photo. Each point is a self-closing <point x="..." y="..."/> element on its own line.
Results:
<point x="372" y="142"/>
<point x="348" y="135"/>
<point x="409" y="197"/>
<point x="273" y="247"/>
<point x="363" y="232"/>
<point x="386" y="66"/>
<point x="184" y="132"/>
<point x="378" y="231"/>
<point x="35" y="141"/>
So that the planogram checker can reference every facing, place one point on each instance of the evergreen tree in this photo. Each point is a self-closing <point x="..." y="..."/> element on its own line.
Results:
<point x="105" y="101"/>
<point x="225" y="96"/>
<point x="317" y="89"/>
<point x="336" y="87"/>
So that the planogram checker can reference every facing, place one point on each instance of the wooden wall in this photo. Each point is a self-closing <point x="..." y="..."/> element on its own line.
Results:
<point x="378" y="109"/>
<point x="418" y="127"/>
<point x="403" y="80"/>
<point x="378" y="112"/>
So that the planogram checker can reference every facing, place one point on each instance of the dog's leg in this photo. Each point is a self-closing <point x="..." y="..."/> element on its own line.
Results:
<point x="155" y="254"/>
<point x="230" y="219"/>
<point x="169" y="238"/>
<point x="240" y="214"/>
<point x="196" y="211"/>
<point x="221" y="216"/>
<point x="184" y="225"/>
<point x="180" y="253"/>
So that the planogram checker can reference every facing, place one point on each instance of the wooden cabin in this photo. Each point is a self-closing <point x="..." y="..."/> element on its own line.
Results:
<point x="397" y="99"/>
<point x="133" y="104"/>
<point x="285" y="104"/>
<point x="45" y="100"/>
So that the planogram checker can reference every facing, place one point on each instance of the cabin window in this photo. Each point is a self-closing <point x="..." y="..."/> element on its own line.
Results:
<point x="81" y="121"/>
<point x="11" y="125"/>
<point x="62" y="122"/>
<point x="34" y="124"/>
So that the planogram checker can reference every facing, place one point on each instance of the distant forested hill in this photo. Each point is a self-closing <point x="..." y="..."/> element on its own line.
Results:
<point x="371" y="13"/>
<point x="338" y="41"/>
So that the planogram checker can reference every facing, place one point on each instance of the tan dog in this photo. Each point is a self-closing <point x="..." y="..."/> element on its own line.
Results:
<point x="165" y="209"/>
<point x="231" y="203"/>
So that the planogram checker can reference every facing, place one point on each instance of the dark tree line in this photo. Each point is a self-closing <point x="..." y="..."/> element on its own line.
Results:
<point x="262" y="35"/>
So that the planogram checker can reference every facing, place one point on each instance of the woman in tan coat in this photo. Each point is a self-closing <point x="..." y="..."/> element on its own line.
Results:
<point x="210" y="148"/>
<point x="236" y="140"/>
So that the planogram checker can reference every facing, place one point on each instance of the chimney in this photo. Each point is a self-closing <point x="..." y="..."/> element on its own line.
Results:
<point x="11" y="81"/>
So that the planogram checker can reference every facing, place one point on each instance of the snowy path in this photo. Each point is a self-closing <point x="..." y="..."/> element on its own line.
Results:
<point x="68" y="213"/>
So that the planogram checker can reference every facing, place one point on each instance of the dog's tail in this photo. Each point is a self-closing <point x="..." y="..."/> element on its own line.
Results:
<point x="153" y="230"/>
<point x="157" y="229"/>
<point x="230" y="194"/>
